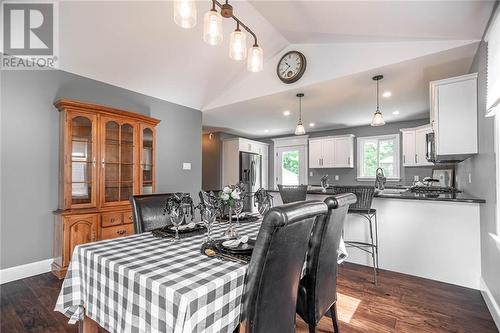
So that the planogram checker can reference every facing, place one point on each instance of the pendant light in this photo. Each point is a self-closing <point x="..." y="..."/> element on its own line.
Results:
<point x="300" y="130"/>
<point x="185" y="13"/>
<point x="378" y="120"/>
<point x="238" y="44"/>
<point x="212" y="27"/>
<point x="255" y="61"/>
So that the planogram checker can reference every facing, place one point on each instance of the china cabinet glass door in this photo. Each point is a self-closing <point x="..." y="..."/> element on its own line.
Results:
<point x="117" y="162"/>
<point x="81" y="190"/>
<point x="147" y="160"/>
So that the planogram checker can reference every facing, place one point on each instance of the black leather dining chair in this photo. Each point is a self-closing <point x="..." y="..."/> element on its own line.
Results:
<point x="270" y="296"/>
<point x="148" y="211"/>
<point x="317" y="293"/>
<point x="292" y="193"/>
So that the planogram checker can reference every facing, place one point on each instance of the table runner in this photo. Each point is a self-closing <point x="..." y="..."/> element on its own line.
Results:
<point x="145" y="284"/>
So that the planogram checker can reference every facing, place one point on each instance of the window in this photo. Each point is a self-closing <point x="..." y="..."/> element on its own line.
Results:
<point x="378" y="151"/>
<point x="290" y="165"/>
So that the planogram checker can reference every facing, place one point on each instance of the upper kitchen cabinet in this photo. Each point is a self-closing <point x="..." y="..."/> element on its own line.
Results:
<point x="414" y="146"/>
<point x="453" y="112"/>
<point x="331" y="152"/>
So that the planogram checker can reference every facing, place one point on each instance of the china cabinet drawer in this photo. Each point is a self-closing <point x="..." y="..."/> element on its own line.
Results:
<point x="111" y="219"/>
<point x="127" y="217"/>
<point x="118" y="231"/>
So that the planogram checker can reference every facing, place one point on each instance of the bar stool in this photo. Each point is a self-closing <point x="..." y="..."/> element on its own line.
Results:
<point x="363" y="207"/>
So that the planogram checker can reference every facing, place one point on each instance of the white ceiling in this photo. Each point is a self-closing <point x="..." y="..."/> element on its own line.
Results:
<point x="375" y="21"/>
<point x="137" y="46"/>
<point x="344" y="102"/>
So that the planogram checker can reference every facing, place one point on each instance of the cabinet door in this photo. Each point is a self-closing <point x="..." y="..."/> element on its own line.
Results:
<point x="343" y="152"/>
<point x="147" y="168"/>
<point x="421" y="146"/>
<point x="328" y="147"/>
<point x="409" y="157"/>
<point x="315" y="153"/>
<point x="80" y="178"/>
<point x="118" y="160"/>
<point x="78" y="229"/>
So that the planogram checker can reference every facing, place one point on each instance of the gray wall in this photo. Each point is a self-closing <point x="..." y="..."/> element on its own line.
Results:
<point x="347" y="176"/>
<point x="30" y="149"/>
<point x="482" y="170"/>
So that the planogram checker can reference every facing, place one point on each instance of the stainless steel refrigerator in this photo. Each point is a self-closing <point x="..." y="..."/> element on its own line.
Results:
<point x="250" y="177"/>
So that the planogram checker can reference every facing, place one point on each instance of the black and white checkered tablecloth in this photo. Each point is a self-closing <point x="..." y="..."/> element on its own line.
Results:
<point x="145" y="284"/>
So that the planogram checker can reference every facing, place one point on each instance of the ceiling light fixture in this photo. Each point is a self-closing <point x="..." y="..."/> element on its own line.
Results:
<point x="312" y="124"/>
<point x="395" y="112"/>
<point x="185" y="13"/>
<point x="300" y="130"/>
<point x="286" y="113"/>
<point x="185" y="16"/>
<point x="387" y="94"/>
<point x="378" y="120"/>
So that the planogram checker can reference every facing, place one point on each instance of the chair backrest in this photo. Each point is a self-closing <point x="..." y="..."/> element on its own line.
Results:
<point x="320" y="278"/>
<point x="273" y="275"/>
<point x="148" y="211"/>
<point x="263" y="199"/>
<point x="292" y="193"/>
<point x="364" y="195"/>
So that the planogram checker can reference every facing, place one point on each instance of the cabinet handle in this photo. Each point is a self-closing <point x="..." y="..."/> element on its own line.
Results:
<point x="130" y="217"/>
<point x="415" y="158"/>
<point x="102" y="163"/>
<point x="112" y="220"/>
<point x="121" y="232"/>
<point x="93" y="162"/>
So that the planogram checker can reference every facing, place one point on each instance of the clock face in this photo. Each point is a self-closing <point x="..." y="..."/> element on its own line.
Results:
<point x="291" y="67"/>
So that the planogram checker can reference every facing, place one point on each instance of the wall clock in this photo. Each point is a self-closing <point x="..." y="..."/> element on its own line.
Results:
<point x="291" y="66"/>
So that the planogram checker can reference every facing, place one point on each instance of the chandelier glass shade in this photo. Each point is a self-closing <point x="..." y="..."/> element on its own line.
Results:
<point x="185" y="13"/>
<point x="255" y="61"/>
<point x="300" y="129"/>
<point x="238" y="45"/>
<point x="378" y="119"/>
<point x="212" y="27"/>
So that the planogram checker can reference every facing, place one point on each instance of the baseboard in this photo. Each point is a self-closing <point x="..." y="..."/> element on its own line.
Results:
<point x="24" y="271"/>
<point x="492" y="305"/>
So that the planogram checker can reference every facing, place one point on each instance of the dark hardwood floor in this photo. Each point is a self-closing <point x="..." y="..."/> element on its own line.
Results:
<point x="401" y="303"/>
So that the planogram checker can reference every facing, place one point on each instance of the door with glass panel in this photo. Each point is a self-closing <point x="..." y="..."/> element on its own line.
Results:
<point x="147" y="159"/>
<point x="80" y="164"/>
<point x="290" y="165"/>
<point x="118" y="155"/>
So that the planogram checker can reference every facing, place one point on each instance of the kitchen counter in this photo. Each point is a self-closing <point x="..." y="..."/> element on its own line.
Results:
<point x="456" y="197"/>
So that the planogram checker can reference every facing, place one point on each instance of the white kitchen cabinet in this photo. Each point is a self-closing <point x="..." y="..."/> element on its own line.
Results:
<point x="414" y="146"/>
<point x="331" y="152"/>
<point x="453" y="112"/>
<point x="231" y="149"/>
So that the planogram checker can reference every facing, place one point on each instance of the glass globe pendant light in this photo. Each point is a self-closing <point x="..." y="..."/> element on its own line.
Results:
<point x="300" y="130"/>
<point x="185" y="13"/>
<point x="212" y="27"/>
<point x="238" y="44"/>
<point x="377" y="119"/>
<point x="255" y="61"/>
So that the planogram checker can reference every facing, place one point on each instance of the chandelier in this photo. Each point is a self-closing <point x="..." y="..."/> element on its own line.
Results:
<point x="377" y="119"/>
<point x="185" y="16"/>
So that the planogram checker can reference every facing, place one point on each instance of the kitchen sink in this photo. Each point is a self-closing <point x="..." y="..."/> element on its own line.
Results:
<point x="392" y="191"/>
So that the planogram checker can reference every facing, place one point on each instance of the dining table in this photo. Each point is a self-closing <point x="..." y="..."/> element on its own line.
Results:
<point x="142" y="283"/>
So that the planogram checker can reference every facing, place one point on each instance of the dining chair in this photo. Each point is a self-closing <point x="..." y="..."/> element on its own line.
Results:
<point x="363" y="208"/>
<point x="264" y="201"/>
<point x="317" y="293"/>
<point x="148" y="211"/>
<point x="273" y="274"/>
<point x="292" y="193"/>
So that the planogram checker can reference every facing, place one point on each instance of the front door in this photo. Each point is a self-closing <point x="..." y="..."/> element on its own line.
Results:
<point x="291" y="166"/>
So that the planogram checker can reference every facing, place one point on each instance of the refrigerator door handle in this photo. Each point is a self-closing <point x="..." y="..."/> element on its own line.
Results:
<point x="252" y="173"/>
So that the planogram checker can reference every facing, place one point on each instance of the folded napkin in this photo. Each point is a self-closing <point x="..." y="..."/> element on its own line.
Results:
<point x="191" y="225"/>
<point x="235" y="242"/>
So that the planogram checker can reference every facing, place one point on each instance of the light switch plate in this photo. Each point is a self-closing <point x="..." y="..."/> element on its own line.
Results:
<point x="336" y="177"/>
<point x="416" y="178"/>
<point x="186" y="166"/>
<point x="310" y="173"/>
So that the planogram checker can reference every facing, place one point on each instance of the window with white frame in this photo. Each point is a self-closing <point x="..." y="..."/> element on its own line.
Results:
<point x="378" y="152"/>
<point x="493" y="71"/>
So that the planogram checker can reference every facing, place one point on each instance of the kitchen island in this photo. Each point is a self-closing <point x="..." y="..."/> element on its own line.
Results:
<point x="430" y="237"/>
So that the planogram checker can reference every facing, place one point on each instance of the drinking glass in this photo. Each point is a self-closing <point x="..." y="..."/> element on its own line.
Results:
<point x="177" y="216"/>
<point x="208" y="216"/>
<point x="231" y="231"/>
<point x="238" y="208"/>
<point x="263" y="207"/>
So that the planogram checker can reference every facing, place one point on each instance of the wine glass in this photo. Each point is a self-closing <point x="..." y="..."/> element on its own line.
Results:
<point x="208" y="216"/>
<point x="263" y="207"/>
<point x="238" y="208"/>
<point x="176" y="216"/>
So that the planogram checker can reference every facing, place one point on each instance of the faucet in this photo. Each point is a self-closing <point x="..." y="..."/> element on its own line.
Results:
<point x="380" y="179"/>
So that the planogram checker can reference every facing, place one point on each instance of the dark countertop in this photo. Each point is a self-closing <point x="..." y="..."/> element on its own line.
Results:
<point x="457" y="197"/>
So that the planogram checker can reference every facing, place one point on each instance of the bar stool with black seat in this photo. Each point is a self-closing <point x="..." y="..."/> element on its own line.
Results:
<point x="292" y="193"/>
<point x="363" y="207"/>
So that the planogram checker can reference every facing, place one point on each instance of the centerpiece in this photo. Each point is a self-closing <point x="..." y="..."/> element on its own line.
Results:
<point x="232" y="198"/>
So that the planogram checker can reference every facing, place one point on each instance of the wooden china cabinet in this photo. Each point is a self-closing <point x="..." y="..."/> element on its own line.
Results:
<point x="106" y="155"/>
